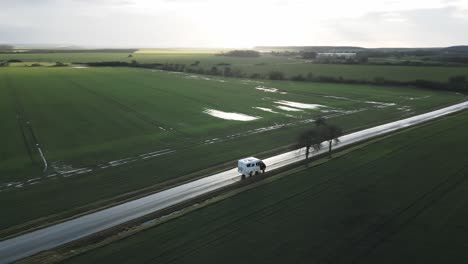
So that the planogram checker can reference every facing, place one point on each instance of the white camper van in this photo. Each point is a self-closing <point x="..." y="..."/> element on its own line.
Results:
<point x="250" y="166"/>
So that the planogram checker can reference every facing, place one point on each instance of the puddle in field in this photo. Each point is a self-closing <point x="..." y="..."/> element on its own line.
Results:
<point x="340" y="98"/>
<point x="405" y="108"/>
<point x="229" y="116"/>
<point x="380" y="104"/>
<point x="196" y="77"/>
<point x="416" y="98"/>
<point x="278" y="126"/>
<point x="80" y="67"/>
<point x="199" y="77"/>
<point x="251" y="81"/>
<point x="299" y="105"/>
<point x="376" y="104"/>
<point x="343" y="111"/>
<point x="266" y="109"/>
<point x="269" y="89"/>
<point x="287" y="108"/>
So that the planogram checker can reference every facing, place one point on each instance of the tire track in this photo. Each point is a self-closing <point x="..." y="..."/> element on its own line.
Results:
<point x="122" y="106"/>
<point x="24" y="125"/>
<point x="381" y="232"/>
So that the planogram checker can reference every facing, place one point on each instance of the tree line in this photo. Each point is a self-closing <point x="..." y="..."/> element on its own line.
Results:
<point x="454" y="83"/>
<point x="241" y="53"/>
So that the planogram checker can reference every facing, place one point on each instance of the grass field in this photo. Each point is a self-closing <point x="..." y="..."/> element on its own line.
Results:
<point x="364" y="72"/>
<point x="261" y="65"/>
<point x="183" y="50"/>
<point x="400" y="200"/>
<point x="107" y="131"/>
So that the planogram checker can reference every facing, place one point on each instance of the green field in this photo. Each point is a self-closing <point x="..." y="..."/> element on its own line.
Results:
<point x="400" y="200"/>
<point x="101" y="129"/>
<point x="261" y="65"/>
<point x="364" y="72"/>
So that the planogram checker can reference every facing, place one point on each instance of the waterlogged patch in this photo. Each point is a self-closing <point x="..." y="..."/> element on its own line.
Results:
<point x="251" y="81"/>
<point x="416" y="98"/>
<point x="230" y="116"/>
<point x="299" y="105"/>
<point x="405" y="108"/>
<point x="269" y="89"/>
<point x="287" y="108"/>
<point x="80" y="67"/>
<point x="338" y="98"/>
<point x="266" y="109"/>
<point x="197" y="77"/>
<point x="343" y="111"/>
<point x="380" y="104"/>
<point x="277" y="126"/>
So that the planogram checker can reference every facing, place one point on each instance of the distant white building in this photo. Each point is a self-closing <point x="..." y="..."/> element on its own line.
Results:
<point x="336" y="55"/>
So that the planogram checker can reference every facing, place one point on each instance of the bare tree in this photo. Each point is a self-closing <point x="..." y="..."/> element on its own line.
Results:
<point x="310" y="139"/>
<point x="331" y="133"/>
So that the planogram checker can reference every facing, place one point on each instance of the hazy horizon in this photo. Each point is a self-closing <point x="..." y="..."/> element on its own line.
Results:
<point x="225" y="24"/>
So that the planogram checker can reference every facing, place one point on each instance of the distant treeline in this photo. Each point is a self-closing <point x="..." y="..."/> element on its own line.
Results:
<point x="451" y="56"/>
<point x="318" y="49"/>
<point x="453" y="59"/>
<point x="455" y="83"/>
<point x="374" y="51"/>
<point x="241" y="53"/>
<point x="42" y="51"/>
<point x="363" y="58"/>
<point x="5" y="48"/>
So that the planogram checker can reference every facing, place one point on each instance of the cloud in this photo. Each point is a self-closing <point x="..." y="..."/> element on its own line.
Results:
<point x="154" y="23"/>
<point x="419" y="27"/>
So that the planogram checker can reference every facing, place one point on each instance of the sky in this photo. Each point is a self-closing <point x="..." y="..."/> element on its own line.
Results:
<point x="234" y="24"/>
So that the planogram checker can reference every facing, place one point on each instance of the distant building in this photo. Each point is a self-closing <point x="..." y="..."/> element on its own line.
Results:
<point x="336" y="55"/>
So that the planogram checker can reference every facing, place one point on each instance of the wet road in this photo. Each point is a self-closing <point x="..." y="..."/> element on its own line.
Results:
<point x="53" y="236"/>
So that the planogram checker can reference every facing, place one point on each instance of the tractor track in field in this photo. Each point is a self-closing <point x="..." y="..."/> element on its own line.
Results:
<point x="427" y="200"/>
<point x="25" y="126"/>
<point x="19" y="118"/>
<point x="143" y="117"/>
<point x="368" y="242"/>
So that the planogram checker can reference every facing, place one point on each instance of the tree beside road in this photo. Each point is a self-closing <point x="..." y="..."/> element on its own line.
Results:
<point x="314" y="137"/>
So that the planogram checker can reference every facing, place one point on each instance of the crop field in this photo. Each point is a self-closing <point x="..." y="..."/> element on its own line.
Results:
<point x="262" y="65"/>
<point x="183" y="50"/>
<point x="72" y="135"/>
<point x="363" y="72"/>
<point x="400" y="200"/>
<point x="206" y="59"/>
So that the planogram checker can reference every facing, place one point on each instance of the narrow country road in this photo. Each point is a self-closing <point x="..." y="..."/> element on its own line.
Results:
<point x="31" y="243"/>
